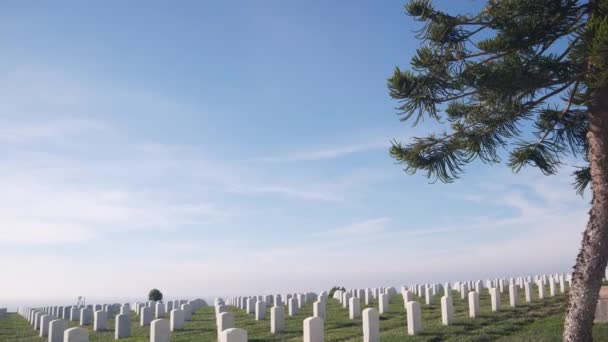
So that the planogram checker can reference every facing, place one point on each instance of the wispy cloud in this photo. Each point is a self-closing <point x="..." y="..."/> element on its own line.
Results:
<point x="326" y="153"/>
<point x="361" y="228"/>
<point x="288" y="191"/>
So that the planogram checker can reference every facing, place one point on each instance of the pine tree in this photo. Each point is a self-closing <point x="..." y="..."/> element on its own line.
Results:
<point x="491" y="78"/>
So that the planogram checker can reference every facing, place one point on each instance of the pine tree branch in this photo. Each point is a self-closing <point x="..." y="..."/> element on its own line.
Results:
<point x="561" y="114"/>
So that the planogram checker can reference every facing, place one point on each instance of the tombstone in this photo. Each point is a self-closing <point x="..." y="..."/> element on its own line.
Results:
<point x="74" y="313"/>
<point x="464" y="290"/>
<point x="495" y="299"/>
<point x="145" y="316"/>
<point x="36" y="321"/>
<point x="44" y="324"/>
<point x="541" y="290"/>
<point x="277" y="319"/>
<point x="187" y="309"/>
<point x="407" y="297"/>
<point x="260" y="310"/>
<point x="371" y="325"/>
<point x="225" y="320"/>
<point x="383" y="304"/>
<point x="562" y="284"/>
<point x="292" y="308"/>
<point x="159" y="330"/>
<point x="66" y="312"/>
<point x="473" y="304"/>
<point x="56" y="329"/>
<point x="318" y="309"/>
<point x="427" y="295"/>
<point x="250" y="305"/>
<point x="313" y="329"/>
<point x="100" y="321"/>
<point x="301" y="300"/>
<point x="414" y="319"/>
<point x="345" y="298"/>
<point x="354" y="308"/>
<point x="122" y="326"/>
<point x="528" y="291"/>
<point x="513" y="295"/>
<point x="76" y="334"/>
<point x="447" y="310"/>
<point x="176" y="319"/>
<point x="551" y="287"/>
<point x="124" y="309"/>
<point x="159" y="310"/>
<point x="278" y="300"/>
<point x="233" y="335"/>
<point x="86" y="316"/>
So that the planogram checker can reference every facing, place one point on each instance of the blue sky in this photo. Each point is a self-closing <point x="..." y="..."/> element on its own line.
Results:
<point x="216" y="148"/>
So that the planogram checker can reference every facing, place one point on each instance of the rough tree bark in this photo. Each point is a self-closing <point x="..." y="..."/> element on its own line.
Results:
<point x="593" y="256"/>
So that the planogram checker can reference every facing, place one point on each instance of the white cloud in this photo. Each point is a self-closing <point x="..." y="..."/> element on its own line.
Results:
<point x="326" y="153"/>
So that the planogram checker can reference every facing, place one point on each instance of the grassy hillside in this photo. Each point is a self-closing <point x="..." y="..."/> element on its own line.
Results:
<point x="537" y="321"/>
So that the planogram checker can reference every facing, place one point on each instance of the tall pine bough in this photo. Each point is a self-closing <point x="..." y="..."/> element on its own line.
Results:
<point x="517" y="64"/>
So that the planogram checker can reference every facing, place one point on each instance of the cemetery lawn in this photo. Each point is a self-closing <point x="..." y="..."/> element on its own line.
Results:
<point x="537" y="321"/>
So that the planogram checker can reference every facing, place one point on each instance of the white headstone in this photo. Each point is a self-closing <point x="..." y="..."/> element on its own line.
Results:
<point x="495" y="299"/>
<point x="354" y="308"/>
<point x="56" y="329"/>
<point x="159" y="310"/>
<point x="371" y="325"/>
<point x="313" y="329"/>
<point x="176" y="319"/>
<point x="473" y="304"/>
<point x="76" y="334"/>
<point x="100" y="320"/>
<point x="414" y="319"/>
<point x="44" y="324"/>
<point x="292" y="308"/>
<point x="86" y="316"/>
<point x="187" y="309"/>
<point x="383" y="304"/>
<point x="122" y="326"/>
<point x="145" y="316"/>
<point x="447" y="310"/>
<point x="528" y="291"/>
<point x="318" y="309"/>
<point x="159" y="330"/>
<point x="233" y="335"/>
<point x="513" y="295"/>
<point x="277" y="319"/>
<point x="260" y="310"/>
<point x="225" y="320"/>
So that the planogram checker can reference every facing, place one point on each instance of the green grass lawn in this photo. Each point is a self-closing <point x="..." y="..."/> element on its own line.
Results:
<point x="537" y="321"/>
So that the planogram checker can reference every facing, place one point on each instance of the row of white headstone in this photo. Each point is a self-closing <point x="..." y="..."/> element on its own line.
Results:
<point x="47" y="320"/>
<point x="351" y="300"/>
<point x="313" y="327"/>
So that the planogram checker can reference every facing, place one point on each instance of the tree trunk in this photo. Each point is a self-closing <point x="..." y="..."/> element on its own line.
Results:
<point x="593" y="256"/>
